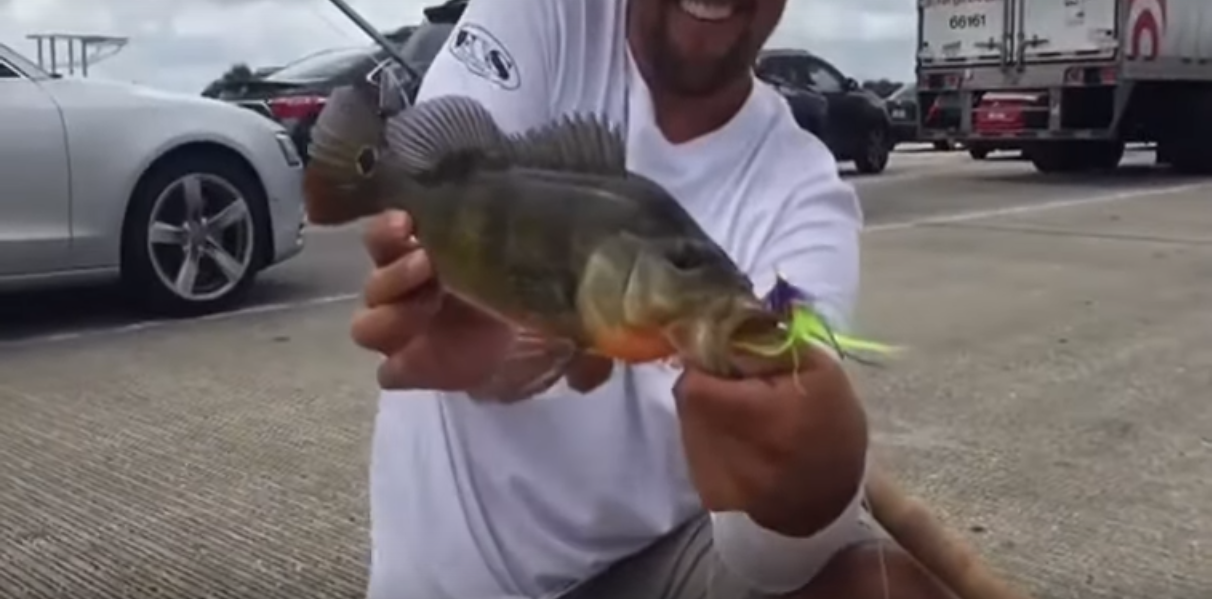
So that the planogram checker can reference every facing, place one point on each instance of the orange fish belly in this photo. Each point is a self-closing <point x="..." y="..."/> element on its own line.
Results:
<point x="631" y="346"/>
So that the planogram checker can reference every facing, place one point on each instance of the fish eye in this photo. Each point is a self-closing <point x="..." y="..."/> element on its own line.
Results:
<point x="686" y="256"/>
<point x="366" y="160"/>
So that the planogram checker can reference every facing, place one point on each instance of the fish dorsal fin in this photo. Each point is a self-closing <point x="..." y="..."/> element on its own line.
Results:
<point x="427" y="135"/>
<point x="577" y="143"/>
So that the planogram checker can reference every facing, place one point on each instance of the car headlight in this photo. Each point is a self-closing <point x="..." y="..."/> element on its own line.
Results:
<point x="290" y="152"/>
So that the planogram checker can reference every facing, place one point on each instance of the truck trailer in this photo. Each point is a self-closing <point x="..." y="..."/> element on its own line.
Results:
<point x="1097" y="74"/>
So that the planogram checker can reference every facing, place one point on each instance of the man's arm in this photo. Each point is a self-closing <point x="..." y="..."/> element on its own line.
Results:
<point x="503" y="55"/>
<point x="815" y="243"/>
<point x="815" y="246"/>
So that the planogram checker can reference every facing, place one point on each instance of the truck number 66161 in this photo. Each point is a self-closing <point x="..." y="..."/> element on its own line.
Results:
<point x="972" y="21"/>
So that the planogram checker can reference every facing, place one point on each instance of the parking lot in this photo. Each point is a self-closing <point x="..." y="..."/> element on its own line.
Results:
<point x="1055" y="405"/>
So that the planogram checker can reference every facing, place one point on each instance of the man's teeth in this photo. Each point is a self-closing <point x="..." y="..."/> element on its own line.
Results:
<point x="716" y="11"/>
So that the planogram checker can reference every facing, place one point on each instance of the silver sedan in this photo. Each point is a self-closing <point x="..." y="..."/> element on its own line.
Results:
<point x="180" y="199"/>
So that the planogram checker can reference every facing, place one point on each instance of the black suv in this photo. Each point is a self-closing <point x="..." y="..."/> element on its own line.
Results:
<point x="850" y="120"/>
<point x="295" y="94"/>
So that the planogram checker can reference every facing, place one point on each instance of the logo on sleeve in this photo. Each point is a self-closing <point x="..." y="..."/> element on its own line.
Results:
<point x="484" y="56"/>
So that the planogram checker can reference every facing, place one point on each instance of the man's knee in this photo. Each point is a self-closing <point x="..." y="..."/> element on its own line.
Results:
<point x="874" y="570"/>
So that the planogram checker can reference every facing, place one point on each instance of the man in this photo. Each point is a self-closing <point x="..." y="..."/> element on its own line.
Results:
<point x="656" y="484"/>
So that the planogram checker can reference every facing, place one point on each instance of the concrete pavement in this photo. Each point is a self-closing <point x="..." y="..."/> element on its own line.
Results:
<point x="1054" y="403"/>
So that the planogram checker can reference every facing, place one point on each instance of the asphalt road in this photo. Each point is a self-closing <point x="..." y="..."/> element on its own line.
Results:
<point x="1053" y="407"/>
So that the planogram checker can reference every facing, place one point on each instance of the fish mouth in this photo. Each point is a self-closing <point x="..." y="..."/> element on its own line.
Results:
<point x="715" y="337"/>
<point x="755" y="325"/>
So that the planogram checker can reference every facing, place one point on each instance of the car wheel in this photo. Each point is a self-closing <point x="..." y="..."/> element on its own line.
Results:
<point x="978" y="153"/>
<point x="873" y="153"/>
<point x="191" y="242"/>
<point x="944" y="145"/>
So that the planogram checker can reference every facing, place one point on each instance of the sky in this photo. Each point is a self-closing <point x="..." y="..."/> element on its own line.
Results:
<point x="182" y="45"/>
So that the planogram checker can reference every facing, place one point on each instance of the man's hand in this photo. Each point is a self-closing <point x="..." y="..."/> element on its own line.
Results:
<point x="429" y="340"/>
<point x="789" y="453"/>
<point x="432" y="340"/>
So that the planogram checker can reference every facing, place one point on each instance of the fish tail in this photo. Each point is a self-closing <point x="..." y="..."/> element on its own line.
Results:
<point x="346" y="177"/>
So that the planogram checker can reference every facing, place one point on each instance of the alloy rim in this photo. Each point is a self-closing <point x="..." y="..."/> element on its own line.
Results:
<point x="200" y="237"/>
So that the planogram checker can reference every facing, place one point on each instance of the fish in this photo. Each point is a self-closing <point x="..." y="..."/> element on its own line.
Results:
<point x="547" y="230"/>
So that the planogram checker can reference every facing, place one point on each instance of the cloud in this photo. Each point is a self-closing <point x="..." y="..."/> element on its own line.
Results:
<point x="184" y="44"/>
<point x="867" y="39"/>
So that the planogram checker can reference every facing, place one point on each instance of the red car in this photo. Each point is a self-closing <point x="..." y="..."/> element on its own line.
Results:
<point x="998" y="113"/>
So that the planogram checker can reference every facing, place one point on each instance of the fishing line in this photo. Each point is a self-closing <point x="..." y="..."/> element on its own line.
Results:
<point x="329" y="22"/>
<point x="378" y="37"/>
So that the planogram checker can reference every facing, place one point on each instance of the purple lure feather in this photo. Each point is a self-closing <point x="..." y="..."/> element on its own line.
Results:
<point x="784" y="296"/>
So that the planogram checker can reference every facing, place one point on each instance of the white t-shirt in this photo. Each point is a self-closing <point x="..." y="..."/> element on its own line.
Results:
<point x="482" y="501"/>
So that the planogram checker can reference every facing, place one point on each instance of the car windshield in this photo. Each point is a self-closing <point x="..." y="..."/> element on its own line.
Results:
<point x="322" y="65"/>
<point x="21" y="63"/>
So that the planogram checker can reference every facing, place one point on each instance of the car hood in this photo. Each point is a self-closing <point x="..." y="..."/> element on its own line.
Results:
<point x="103" y="95"/>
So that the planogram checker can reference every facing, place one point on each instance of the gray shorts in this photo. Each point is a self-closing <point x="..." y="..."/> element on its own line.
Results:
<point x="683" y="565"/>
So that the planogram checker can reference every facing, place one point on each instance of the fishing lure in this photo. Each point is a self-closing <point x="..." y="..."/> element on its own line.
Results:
<point x="805" y="325"/>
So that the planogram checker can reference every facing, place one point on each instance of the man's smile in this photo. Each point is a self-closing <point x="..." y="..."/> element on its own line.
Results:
<point x="713" y="11"/>
<point x="705" y="10"/>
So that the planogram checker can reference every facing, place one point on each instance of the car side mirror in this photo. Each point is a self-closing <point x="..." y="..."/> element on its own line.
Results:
<point x="851" y="84"/>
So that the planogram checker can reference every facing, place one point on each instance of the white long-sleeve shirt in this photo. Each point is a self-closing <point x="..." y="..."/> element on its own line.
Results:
<point x="482" y="501"/>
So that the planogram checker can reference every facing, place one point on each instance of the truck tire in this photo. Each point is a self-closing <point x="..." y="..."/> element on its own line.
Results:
<point x="1075" y="156"/>
<point x="1189" y="161"/>
<point x="978" y="152"/>
<point x="1104" y="155"/>
<point x="1164" y="154"/>
<point x="1185" y="145"/>
<point x="1187" y="153"/>
<point x="1055" y="157"/>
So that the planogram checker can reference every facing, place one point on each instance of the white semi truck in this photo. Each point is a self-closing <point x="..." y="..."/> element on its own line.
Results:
<point x="1095" y="74"/>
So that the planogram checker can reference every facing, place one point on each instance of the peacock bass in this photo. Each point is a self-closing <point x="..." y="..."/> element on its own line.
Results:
<point x="548" y="231"/>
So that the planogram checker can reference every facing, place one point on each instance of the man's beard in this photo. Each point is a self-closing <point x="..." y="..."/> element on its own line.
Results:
<point x="689" y="78"/>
